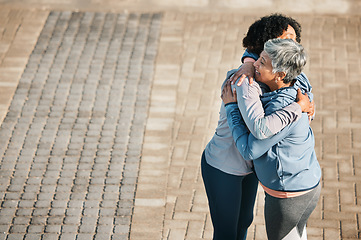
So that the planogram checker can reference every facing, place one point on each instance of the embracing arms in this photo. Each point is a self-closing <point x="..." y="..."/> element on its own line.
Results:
<point x="249" y="146"/>
<point x="263" y="126"/>
<point x="246" y="70"/>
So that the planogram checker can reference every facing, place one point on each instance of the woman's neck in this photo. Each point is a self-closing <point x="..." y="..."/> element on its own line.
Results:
<point x="278" y="85"/>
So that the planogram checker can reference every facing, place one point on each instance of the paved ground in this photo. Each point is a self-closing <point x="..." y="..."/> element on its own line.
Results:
<point x="107" y="115"/>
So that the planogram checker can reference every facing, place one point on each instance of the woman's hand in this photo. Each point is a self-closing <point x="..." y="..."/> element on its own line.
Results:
<point x="306" y="105"/>
<point x="246" y="70"/>
<point x="228" y="95"/>
<point x="311" y="114"/>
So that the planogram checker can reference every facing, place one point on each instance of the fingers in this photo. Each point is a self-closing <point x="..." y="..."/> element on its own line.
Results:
<point x="223" y="93"/>
<point x="303" y="101"/>
<point x="246" y="70"/>
<point x="228" y="94"/>
<point x="234" y="95"/>
<point x="231" y="92"/>
<point x="299" y="94"/>
<point x="226" y="88"/>
<point x="229" y="88"/>
<point x="234" y="77"/>
<point x="311" y="113"/>
<point x="241" y="79"/>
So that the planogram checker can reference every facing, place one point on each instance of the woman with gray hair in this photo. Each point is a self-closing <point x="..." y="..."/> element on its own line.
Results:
<point x="286" y="163"/>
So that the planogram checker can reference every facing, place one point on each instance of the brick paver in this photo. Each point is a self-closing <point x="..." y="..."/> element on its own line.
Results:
<point x="72" y="138"/>
<point x="97" y="145"/>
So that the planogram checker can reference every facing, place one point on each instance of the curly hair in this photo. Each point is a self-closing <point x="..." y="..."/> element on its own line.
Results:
<point x="266" y="28"/>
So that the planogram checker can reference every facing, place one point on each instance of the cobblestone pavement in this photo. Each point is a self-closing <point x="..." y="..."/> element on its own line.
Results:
<point x="103" y="136"/>
<point x="72" y="137"/>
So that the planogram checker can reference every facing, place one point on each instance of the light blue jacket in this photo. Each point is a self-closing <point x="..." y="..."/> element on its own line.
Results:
<point x="287" y="160"/>
<point x="221" y="151"/>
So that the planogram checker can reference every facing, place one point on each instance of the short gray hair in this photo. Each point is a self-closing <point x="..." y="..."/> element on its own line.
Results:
<point x="287" y="56"/>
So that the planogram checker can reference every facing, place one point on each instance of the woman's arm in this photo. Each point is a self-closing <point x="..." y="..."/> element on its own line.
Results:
<point x="251" y="108"/>
<point x="246" y="70"/>
<point x="249" y="147"/>
<point x="260" y="125"/>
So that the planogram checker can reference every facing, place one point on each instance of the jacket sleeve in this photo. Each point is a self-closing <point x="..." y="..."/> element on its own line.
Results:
<point x="251" y="108"/>
<point x="304" y="84"/>
<point x="249" y="54"/>
<point x="249" y="147"/>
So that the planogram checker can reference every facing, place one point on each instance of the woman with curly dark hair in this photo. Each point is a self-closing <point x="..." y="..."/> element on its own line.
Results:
<point x="230" y="183"/>
<point x="268" y="27"/>
<point x="273" y="26"/>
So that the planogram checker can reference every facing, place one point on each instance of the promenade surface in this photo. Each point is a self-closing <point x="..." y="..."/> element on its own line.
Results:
<point x="106" y="107"/>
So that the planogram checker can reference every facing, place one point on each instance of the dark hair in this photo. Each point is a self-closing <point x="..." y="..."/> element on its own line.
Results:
<point x="266" y="28"/>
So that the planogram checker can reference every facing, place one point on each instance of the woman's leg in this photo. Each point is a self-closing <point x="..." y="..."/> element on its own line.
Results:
<point x="286" y="217"/>
<point x="249" y="193"/>
<point x="301" y="226"/>
<point x="224" y="192"/>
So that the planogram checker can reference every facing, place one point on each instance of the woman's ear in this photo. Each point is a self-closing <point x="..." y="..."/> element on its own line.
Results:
<point x="280" y="76"/>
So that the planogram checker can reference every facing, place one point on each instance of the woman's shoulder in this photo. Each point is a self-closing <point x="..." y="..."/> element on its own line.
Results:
<point x="278" y="99"/>
<point x="303" y="83"/>
<point x="229" y="74"/>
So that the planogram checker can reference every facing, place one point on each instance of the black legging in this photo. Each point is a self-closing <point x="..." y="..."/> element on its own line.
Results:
<point x="231" y="200"/>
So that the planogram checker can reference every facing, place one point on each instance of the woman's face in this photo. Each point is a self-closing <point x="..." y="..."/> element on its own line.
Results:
<point x="263" y="69"/>
<point x="290" y="33"/>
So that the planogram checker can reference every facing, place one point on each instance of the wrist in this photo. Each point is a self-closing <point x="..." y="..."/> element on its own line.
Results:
<point x="229" y="103"/>
<point x="248" y="60"/>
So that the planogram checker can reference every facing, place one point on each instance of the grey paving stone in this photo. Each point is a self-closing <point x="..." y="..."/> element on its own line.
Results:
<point x="40" y="212"/>
<point x="32" y="236"/>
<point x="101" y="236"/>
<point x="29" y="196"/>
<point x="121" y="229"/>
<point x="26" y="204"/>
<point x="124" y="211"/>
<point x="35" y="229"/>
<point x="18" y="229"/>
<point x="38" y="220"/>
<point x="21" y="220"/>
<point x="4" y="229"/>
<point x="57" y="211"/>
<point x="120" y="236"/>
<point x="5" y="219"/>
<point x="43" y="203"/>
<point x="15" y="236"/>
<point x="69" y="229"/>
<point x="87" y="228"/>
<point x="71" y="220"/>
<point x="122" y="220"/>
<point x="50" y="236"/>
<point x="68" y="236"/>
<point x="54" y="220"/>
<point x="9" y="204"/>
<point x="84" y="236"/>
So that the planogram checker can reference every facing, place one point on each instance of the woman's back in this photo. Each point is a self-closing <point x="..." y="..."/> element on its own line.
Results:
<point x="291" y="164"/>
